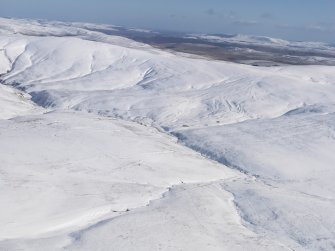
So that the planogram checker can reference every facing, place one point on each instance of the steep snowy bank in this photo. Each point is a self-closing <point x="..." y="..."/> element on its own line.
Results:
<point x="15" y="103"/>
<point x="293" y="159"/>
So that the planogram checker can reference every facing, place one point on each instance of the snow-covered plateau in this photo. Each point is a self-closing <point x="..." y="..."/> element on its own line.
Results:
<point x="111" y="144"/>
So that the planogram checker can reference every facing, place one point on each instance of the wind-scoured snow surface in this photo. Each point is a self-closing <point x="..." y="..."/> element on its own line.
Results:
<point x="110" y="144"/>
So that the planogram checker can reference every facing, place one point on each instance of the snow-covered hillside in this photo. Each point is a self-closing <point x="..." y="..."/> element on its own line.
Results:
<point x="94" y="163"/>
<point x="267" y="41"/>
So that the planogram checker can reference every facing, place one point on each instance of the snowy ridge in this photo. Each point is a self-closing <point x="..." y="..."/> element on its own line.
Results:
<point x="60" y="29"/>
<point x="107" y="174"/>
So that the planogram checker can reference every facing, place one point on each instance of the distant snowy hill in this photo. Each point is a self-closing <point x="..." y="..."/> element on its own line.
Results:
<point x="246" y="49"/>
<point x="94" y="161"/>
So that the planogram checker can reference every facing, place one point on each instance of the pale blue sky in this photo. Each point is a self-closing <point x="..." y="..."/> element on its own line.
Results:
<point x="290" y="19"/>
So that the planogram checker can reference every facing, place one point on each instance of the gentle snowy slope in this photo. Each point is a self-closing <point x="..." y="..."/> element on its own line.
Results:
<point x="79" y="172"/>
<point x="273" y="124"/>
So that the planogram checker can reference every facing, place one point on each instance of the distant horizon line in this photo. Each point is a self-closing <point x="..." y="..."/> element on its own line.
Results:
<point x="332" y="44"/>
